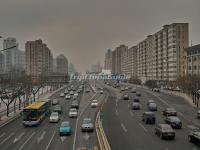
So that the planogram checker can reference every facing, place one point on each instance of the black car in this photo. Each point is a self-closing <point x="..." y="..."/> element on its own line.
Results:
<point x="57" y="108"/>
<point x="75" y="104"/>
<point x="126" y="97"/>
<point x="174" y="121"/>
<point x="194" y="136"/>
<point x="164" y="131"/>
<point x="136" y="106"/>
<point x="138" y="94"/>
<point x="133" y="90"/>
<point x="149" y="117"/>
<point x="169" y="112"/>
<point x="136" y="99"/>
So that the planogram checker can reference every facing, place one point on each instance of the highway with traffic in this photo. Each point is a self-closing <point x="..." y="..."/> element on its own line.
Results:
<point x="123" y="126"/>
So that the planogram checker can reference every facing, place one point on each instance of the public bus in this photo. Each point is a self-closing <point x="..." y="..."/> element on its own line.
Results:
<point x="36" y="112"/>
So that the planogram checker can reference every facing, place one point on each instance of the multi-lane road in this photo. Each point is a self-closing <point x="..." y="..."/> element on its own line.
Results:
<point x="126" y="130"/>
<point x="122" y="125"/>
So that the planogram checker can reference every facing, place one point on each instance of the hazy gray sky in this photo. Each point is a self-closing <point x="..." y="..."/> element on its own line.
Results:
<point x="84" y="29"/>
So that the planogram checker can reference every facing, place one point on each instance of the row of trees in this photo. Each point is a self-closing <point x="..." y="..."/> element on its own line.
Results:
<point x="14" y="89"/>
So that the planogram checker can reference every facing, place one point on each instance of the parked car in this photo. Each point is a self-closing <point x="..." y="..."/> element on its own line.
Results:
<point x="126" y="88"/>
<point x="101" y="92"/>
<point x="164" y="131"/>
<point x="122" y="89"/>
<point x="126" y="97"/>
<point x="152" y="107"/>
<point x="54" y="117"/>
<point x="174" y="121"/>
<point x="136" y="106"/>
<point x="65" y="128"/>
<point x="55" y="102"/>
<point x="73" y="113"/>
<point x="75" y="97"/>
<point x="75" y="104"/>
<point x="136" y="99"/>
<point x="94" y="103"/>
<point x="138" y="94"/>
<point x="66" y="92"/>
<point x="87" y="125"/>
<point x="149" y="117"/>
<point x="194" y="135"/>
<point x="57" y="108"/>
<point x="87" y="91"/>
<point x="169" y="112"/>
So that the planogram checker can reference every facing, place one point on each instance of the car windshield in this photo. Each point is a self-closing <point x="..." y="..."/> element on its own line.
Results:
<point x="166" y="127"/>
<point x="175" y="119"/>
<point x="73" y="110"/>
<point x="170" y="109"/>
<point x="152" y="104"/>
<point x="87" y="121"/>
<point x="54" y="114"/>
<point x="65" y="124"/>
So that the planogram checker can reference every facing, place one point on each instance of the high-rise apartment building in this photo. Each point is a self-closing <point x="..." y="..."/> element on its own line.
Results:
<point x="161" y="56"/>
<point x="117" y="59"/>
<point x="193" y="60"/>
<point x="39" y="59"/>
<point x="62" y="64"/>
<point x="108" y="60"/>
<point x="129" y="64"/>
<point x="13" y="57"/>
<point x="1" y="63"/>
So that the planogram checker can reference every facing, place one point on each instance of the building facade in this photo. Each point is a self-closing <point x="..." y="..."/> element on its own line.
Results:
<point x="1" y="63"/>
<point x="117" y="59"/>
<point x="161" y="56"/>
<point x="108" y="60"/>
<point x="13" y="57"/>
<point x="193" y="60"/>
<point x="129" y="64"/>
<point x="39" y="59"/>
<point x="62" y="64"/>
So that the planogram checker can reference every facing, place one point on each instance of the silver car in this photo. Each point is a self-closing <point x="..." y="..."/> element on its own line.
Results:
<point x="87" y="125"/>
<point x="54" y="117"/>
<point x="73" y="113"/>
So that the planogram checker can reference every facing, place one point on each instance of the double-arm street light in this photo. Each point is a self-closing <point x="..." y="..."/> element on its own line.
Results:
<point x="8" y="47"/>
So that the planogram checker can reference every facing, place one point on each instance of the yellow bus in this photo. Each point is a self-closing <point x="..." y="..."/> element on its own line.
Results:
<point x="36" y="112"/>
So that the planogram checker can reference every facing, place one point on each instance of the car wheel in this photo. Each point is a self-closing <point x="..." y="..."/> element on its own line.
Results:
<point x="161" y="135"/>
<point x="189" y="139"/>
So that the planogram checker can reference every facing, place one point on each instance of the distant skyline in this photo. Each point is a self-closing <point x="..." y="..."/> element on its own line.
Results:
<point x="84" y="30"/>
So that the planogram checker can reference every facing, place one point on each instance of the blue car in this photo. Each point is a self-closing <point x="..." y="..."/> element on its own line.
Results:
<point x="65" y="128"/>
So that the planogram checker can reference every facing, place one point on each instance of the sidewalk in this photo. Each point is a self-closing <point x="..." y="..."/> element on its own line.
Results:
<point x="12" y="116"/>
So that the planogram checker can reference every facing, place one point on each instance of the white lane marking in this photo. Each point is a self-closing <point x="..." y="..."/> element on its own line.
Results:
<point x="143" y="127"/>
<point x="50" y="140"/>
<point x="41" y="137"/>
<point x="7" y="138"/>
<point x="27" y="141"/>
<point x="19" y="137"/>
<point x="131" y="113"/>
<point x="86" y="136"/>
<point x="123" y="127"/>
<point x="116" y="112"/>
<point x="2" y="134"/>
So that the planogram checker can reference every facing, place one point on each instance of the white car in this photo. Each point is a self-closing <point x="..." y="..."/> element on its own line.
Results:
<point x="73" y="113"/>
<point x="71" y="93"/>
<point x="94" y="103"/>
<point x="101" y="92"/>
<point x="62" y="94"/>
<point x="75" y="94"/>
<point x="54" y="117"/>
<point x="68" y="96"/>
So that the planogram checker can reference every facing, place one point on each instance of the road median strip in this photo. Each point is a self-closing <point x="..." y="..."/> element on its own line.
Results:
<point x="103" y="142"/>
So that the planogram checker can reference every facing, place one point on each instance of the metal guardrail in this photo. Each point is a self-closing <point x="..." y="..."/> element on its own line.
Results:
<point x="103" y="142"/>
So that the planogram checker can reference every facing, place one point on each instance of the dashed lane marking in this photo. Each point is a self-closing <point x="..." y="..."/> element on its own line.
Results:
<point x="27" y="141"/>
<point x="8" y="137"/>
<point x="116" y="112"/>
<point x="2" y="134"/>
<point x="50" y="140"/>
<point x="143" y="127"/>
<point x="123" y="127"/>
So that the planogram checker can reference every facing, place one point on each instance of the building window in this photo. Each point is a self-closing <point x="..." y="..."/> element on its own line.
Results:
<point x="195" y="67"/>
<point x="189" y="67"/>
